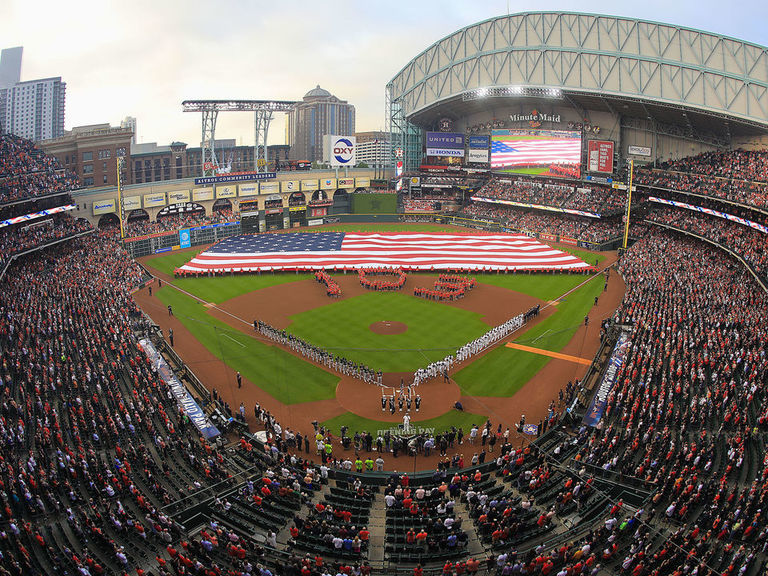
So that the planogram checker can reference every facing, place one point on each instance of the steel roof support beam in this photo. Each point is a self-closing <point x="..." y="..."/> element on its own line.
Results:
<point x="262" y="109"/>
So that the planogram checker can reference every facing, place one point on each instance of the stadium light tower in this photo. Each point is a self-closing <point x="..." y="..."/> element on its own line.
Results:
<point x="262" y="109"/>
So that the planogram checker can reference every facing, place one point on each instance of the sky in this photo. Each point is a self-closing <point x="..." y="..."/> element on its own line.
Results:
<point x="143" y="58"/>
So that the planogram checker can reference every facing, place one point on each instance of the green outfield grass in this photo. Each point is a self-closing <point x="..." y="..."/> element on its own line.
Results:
<point x="588" y="257"/>
<point x="284" y="376"/>
<point x="434" y="329"/>
<point x="543" y="286"/>
<point x="504" y="371"/>
<point x="357" y="423"/>
<point x="218" y="289"/>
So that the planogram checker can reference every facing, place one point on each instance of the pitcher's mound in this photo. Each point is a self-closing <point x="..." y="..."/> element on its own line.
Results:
<point x="387" y="327"/>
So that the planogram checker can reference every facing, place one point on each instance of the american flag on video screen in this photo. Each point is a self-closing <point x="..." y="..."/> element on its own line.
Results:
<point x="410" y="250"/>
<point x="535" y="152"/>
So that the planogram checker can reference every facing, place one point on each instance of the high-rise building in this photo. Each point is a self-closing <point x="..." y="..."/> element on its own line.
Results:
<point x="10" y="66"/>
<point x="318" y="114"/>
<point x="33" y="109"/>
<point x="129" y="123"/>
<point x="373" y="148"/>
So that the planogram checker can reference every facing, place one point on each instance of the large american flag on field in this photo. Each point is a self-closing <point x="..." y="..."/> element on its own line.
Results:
<point x="538" y="152"/>
<point x="407" y="250"/>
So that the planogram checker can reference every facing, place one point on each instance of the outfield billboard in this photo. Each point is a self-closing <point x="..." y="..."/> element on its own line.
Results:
<point x="226" y="191"/>
<point x="178" y="196"/>
<point x="131" y="202"/>
<point x="308" y="185"/>
<point x="600" y="156"/>
<point x="156" y="199"/>
<point x="269" y="188"/>
<point x="103" y="207"/>
<point x="251" y="189"/>
<point x="290" y="185"/>
<point x="201" y="194"/>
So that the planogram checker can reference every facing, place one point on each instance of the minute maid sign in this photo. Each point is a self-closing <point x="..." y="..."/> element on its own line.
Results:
<point x="536" y="118"/>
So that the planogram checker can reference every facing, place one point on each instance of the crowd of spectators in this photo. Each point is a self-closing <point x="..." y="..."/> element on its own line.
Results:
<point x="26" y="172"/>
<point x="749" y="243"/>
<point x="595" y="199"/>
<point x="419" y="205"/>
<point x="737" y="175"/>
<point x="172" y="222"/>
<point x="19" y="238"/>
<point x="555" y="224"/>
<point x="95" y="445"/>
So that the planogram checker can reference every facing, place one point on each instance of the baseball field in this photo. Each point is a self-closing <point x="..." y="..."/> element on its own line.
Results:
<point x="213" y="328"/>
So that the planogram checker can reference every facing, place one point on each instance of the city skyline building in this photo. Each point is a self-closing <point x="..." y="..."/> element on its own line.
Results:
<point x="373" y="148"/>
<point x="318" y="114"/>
<point x="32" y="109"/>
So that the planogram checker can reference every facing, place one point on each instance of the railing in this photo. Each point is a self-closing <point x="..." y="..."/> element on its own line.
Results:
<point x="40" y="247"/>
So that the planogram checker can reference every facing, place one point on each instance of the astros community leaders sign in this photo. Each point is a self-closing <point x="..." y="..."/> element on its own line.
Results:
<point x="241" y="177"/>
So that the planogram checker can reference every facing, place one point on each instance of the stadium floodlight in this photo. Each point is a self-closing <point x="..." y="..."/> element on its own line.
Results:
<point x="512" y="91"/>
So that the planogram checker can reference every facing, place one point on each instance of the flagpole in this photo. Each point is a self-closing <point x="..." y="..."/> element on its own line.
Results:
<point x="629" y="204"/>
<point x="121" y="207"/>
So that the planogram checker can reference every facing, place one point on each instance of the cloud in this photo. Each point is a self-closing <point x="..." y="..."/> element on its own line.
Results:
<point x="143" y="58"/>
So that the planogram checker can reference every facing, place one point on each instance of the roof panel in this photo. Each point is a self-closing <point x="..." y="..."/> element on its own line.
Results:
<point x="636" y="59"/>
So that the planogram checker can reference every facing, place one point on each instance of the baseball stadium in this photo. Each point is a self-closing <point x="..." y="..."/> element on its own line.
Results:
<point x="536" y="343"/>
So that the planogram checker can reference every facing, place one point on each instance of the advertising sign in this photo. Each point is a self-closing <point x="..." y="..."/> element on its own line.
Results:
<point x="639" y="151"/>
<point x="226" y="191"/>
<point x="250" y="189"/>
<point x="103" y="207"/>
<point x="479" y="142"/>
<point x="131" y="202"/>
<point x="183" y="398"/>
<point x="447" y="140"/>
<point x="600" y="400"/>
<point x="445" y="152"/>
<point x="178" y="196"/>
<point x="340" y="150"/>
<point x="308" y="185"/>
<point x="479" y="156"/>
<point x="600" y="156"/>
<point x="200" y="194"/>
<point x="346" y="182"/>
<point x="289" y="185"/>
<point x="362" y="182"/>
<point x="269" y="187"/>
<point x="156" y="199"/>
<point x="184" y="238"/>
<point x="328" y="184"/>
<point x="241" y="177"/>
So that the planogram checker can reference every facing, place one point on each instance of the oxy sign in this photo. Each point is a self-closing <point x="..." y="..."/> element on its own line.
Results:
<point x="341" y="150"/>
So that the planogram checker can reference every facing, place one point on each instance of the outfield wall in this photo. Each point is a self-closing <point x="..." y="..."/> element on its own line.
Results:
<point x="374" y="203"/>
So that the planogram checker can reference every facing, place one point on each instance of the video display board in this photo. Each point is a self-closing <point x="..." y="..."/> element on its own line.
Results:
<point x="537" y="152"/>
